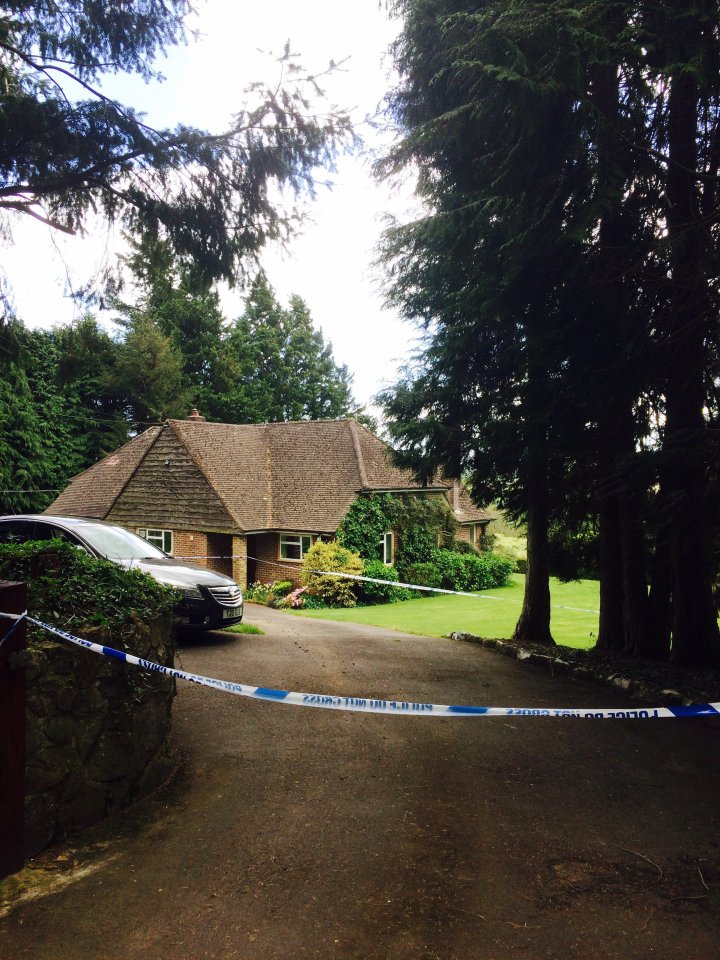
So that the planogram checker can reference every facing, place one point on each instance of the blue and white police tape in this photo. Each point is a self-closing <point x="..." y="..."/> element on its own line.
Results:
<point x="18" y="618"/>
<point x="403" y="708"/>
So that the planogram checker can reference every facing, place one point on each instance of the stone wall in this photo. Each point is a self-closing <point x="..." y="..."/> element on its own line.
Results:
<point x="98" y="730"/>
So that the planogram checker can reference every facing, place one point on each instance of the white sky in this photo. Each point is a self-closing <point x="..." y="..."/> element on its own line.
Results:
<point x="330" y="264"/>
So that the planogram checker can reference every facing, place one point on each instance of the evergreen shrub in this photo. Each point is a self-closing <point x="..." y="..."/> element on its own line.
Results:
<point x="424" y="575"/>
<point x="373" y="593"/>
<point x="467" y="571"/>
<point x="67" y="586"/>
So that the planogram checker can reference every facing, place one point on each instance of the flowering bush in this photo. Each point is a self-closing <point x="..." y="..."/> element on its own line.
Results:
<point x="267" y="593"/>
<point x="293" y="600"/>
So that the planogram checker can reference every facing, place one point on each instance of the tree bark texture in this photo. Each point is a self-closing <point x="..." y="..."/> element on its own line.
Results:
<point x="533" y="625"/>
<point x="696" y="640"/>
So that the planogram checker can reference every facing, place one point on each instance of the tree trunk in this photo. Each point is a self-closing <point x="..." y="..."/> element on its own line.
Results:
<point x="696" y="640"/>
<point x="659" y="601"/>
<point x="623" y="585"/>
<point x="611" y="635"/>
<point x="534" y="623"/>
<point x="635" y="591"/>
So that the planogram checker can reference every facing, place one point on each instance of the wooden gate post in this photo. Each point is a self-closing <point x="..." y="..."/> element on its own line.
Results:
<point x="13" y="599"/>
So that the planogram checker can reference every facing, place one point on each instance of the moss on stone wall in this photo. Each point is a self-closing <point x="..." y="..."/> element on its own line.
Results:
<point x="98" y="730"/>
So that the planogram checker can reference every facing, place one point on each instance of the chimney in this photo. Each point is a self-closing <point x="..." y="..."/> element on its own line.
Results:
<point x="196" y="416"/>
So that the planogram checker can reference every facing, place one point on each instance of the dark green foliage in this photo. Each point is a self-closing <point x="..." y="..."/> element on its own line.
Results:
<point x="574" y="554"/>
<point x="271" y="364"/>
<point x="418" y="520"/>
<point x="465" y="571"/>
<point x="425" y="574"/>
<point x="85" y="371"/>
<point x="279" y="367"/>
<point x="149" y="372"/>
<point x="564" y="274"/>
<point x="69" y="589"/>
<point x="62" y="157"/>
<point x="372" y="593"/>
<point x="367" y="520"/>
<point x="50" y="427"/>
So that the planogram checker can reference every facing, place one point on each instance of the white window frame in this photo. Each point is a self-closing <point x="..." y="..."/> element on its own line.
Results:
<point x="388" y="548"/>
<point x="302" y="541"/>
<point x="162" y="539"/>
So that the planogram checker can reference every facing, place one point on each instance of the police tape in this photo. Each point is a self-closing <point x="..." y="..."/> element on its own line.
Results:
<point x="347" y="576"/>
<point x="18" y="618"/>
<point x="403" y="708"/>
<point x="356" y="576"/>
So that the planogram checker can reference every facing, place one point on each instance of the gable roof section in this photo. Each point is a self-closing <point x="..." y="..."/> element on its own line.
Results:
<point x="93" y="492"/>
<point x="315" y="474"/>
<point x="301" y="475"/>
<point x="464" y="509"/>
<point x="233" y="458"/>
<point x="169" y="490"/>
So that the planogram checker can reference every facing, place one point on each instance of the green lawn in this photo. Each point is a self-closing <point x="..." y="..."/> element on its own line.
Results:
<point x="440" y="615"/>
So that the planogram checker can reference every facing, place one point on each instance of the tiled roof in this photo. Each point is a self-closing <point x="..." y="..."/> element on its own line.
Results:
<point x="93" y="492"/>
<point x="465" y="510"/>
<point x="301" y="475"/>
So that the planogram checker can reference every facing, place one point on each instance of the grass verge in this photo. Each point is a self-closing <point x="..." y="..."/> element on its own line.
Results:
<point x="493" y="613"/>
<point x="244" y="628"/>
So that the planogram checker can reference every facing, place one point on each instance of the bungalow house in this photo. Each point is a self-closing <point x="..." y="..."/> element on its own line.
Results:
<point x="247" y="500"/>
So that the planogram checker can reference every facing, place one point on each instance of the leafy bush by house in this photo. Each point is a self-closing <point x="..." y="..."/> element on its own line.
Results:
<point x="467" y="571"/>
<point x="336" y="591"/>
<point x="372" y="593"/>
<point x="424" y="574"/>
<point x="418" y="522"/>
<point x="66" y="586"/>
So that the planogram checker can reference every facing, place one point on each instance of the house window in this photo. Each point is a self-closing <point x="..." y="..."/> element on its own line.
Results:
<point x="477" y="532"/>
<point x="294" y="546"/>
<point x="387" y="549"/>
<point x="163" y="539"/>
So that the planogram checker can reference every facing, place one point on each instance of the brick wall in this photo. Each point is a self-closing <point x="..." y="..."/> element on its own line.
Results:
<point x="269" y="567"/>
<point x="216" y="551"/>
<point x="190" y="543"/>
<point x="239" y="562"/>
<point x="465" y="533"/>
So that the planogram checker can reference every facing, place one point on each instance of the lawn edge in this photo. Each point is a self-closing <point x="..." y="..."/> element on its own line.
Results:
<point x="618" y="676"/>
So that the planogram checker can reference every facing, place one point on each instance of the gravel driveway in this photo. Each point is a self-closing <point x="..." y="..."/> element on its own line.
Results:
<point x="307" y="833"/>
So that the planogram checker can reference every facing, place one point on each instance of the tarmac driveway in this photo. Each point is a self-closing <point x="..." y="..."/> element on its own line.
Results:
<point x="313" y="834"/>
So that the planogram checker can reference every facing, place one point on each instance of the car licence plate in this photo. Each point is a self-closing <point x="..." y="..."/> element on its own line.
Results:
<point x="231" y="614"/>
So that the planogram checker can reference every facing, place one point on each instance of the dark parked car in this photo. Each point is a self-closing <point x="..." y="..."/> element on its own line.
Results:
<point x="209" y="599"/>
